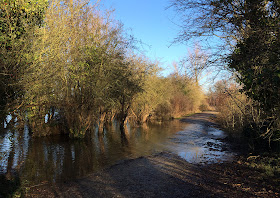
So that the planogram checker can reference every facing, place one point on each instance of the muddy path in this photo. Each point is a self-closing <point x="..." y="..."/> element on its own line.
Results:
<point x="166" y="174"/>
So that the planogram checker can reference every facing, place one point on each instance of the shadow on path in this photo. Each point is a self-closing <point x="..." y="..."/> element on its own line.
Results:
<point x="165" y="175"/>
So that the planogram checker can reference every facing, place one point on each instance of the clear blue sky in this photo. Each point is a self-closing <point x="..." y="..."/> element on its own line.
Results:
<point x="151" y="23"/>
<point x="156" y="26"/>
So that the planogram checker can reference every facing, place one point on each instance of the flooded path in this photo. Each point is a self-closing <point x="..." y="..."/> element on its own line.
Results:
<point x="169" y="174"/>
<point x="58" y="159"/>
<point x="201" y="141"/>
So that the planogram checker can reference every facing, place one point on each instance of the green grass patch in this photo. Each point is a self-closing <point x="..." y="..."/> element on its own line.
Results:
<point x="268" y="163"/>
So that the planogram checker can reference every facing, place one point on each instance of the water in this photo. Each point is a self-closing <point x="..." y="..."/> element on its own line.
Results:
<point x="54" y="159"/>
<point x="199" y="144"/>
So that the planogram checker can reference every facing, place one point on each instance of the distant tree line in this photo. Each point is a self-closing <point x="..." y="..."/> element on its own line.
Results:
<point x="66" y="66"/>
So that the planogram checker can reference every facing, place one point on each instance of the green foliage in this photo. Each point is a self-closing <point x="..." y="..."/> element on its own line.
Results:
<point x="256" y="59"/>
<point x="17" y="22"/>
<point x="81" y="70"/>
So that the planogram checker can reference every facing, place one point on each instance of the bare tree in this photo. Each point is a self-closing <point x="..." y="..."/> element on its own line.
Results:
<point x="195" y="64"/>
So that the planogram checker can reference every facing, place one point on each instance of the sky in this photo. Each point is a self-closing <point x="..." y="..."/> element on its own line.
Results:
<point x="151" y="22"/>
<point x="157" y="26"/>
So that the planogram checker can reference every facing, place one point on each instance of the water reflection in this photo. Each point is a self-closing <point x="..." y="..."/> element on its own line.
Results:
<point x="58" y="158"/>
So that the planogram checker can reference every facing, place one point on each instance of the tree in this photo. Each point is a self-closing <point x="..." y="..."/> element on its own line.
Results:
<point x="195" y="64"/>
<point x="127" y="86"/>
<point x="18" y="19"/>
<point x="81" y="72"/>
<point x="256" y="59"/>
<point x="187" y="95"/>
<point x="54" y="82"/>
<point x="206" y="18"/>
<point x="250" y="28"/>
<point x="156" y="93"/>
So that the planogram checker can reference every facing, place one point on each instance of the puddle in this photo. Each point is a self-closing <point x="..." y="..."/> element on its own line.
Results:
<point x="201" y="144"/>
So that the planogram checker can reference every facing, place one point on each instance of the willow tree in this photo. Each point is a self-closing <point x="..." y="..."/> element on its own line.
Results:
<point x="56" y="80"/>
<point x="126" y="86"/>
<point x="114" y="78"/>
<point x="48" y="81"/>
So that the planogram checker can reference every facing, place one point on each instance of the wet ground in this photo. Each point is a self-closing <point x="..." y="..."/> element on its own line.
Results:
<point x="194" y="162"/>
<point x="169" y="174"/>
<point x="200" y="142"/>
<point x="59" y="158"/>
<point x="164" y="175"/>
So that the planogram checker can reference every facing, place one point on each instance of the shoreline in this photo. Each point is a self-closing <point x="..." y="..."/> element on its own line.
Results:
<point x="166" y="175"/>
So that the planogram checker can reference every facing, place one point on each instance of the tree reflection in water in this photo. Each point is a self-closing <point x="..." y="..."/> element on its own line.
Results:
<point x="59" y="158"/>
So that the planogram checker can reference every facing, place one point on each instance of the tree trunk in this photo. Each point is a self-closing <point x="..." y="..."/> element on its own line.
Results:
<point x="101" y="122"/>
<point x="123" y="114"/>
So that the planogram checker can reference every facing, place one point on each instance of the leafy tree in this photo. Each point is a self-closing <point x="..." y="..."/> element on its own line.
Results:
<point x="256" y="59"/>
<point x="50" y="82"/>
<point x="127" y="86"/>
<point x="81" y="71"/>
<point x="17" y="22"/>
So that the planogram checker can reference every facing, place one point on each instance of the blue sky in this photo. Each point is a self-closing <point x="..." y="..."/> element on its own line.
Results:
<point x="156" y="26"/>
<point x="153" y="24"/>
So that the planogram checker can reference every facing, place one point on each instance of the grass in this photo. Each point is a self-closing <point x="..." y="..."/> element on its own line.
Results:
<point x="269" y="163"/>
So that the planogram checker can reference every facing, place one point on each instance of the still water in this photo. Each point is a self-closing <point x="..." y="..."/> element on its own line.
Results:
<point x="59" y="158"/>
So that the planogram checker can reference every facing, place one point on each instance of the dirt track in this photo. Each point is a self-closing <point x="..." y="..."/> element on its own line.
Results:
<point x="166" y="175"/>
